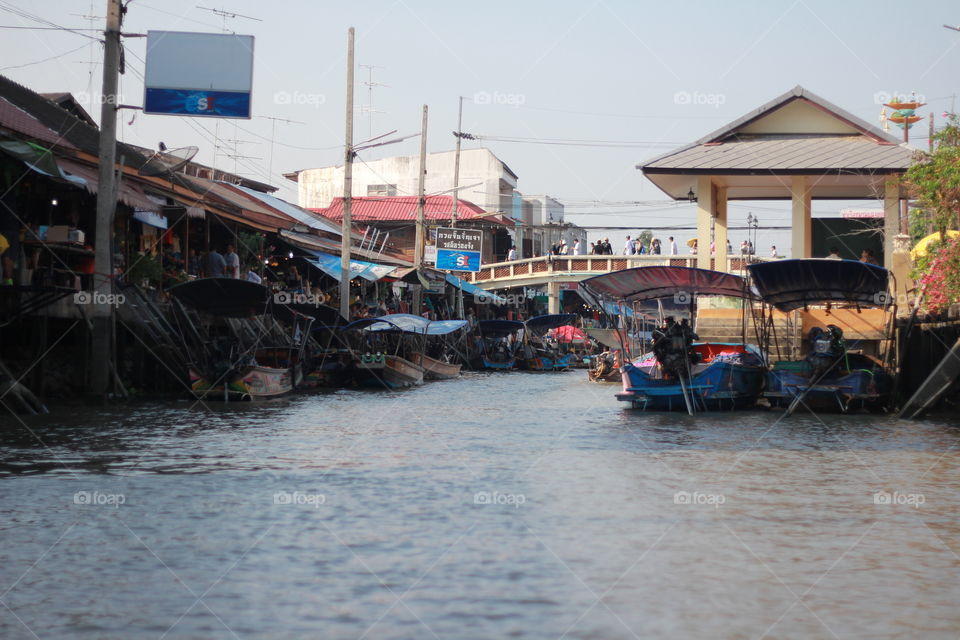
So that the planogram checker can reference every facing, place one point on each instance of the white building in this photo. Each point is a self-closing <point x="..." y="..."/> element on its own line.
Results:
<point x="543" y="216"/>
<point x="485" y="180"/>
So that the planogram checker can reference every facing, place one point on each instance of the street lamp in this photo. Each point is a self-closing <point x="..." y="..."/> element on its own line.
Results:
<point x="752" y="223"/>
<point x="691" y="196"/>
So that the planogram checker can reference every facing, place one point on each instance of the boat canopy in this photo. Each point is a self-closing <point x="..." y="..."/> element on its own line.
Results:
<point x="482" y="295"/>
<point x="793" y="284"/>
<point x="408" y="323"/>
<point x="650" y="283"/>
<point x="499" y="327"/>
<point x="227" y="297"/>
<point x="550" y="321"/>
<point x="330" y="265"/>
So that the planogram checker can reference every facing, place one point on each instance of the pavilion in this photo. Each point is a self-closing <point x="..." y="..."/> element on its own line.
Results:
<point x="797" y="147"/>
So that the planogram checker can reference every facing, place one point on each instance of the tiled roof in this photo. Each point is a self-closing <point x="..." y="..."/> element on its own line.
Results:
<point x="403" y="208"/>
<point x="16" y="120"/>
<point x="774" y="153"/>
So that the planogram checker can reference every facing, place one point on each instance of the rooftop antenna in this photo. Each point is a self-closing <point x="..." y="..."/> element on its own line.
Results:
<point x="227" y="15"/>
<point x="370" y="84"/>
<point x="273" y="135"/>
<point x="93" y="20"/>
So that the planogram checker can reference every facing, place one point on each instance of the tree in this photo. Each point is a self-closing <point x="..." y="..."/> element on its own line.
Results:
<point x="645" y="237"/>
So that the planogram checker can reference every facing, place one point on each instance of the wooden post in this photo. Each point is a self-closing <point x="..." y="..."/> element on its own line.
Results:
<point x="347" y="188"/>
<point x="421" y="201"/>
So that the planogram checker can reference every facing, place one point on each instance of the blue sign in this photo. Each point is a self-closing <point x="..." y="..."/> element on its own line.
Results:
<point x="450" y="260"/>
<point x="220" y="104"/>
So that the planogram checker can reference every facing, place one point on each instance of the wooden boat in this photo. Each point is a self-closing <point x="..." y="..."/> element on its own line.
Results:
<point x="493" y="349"/>
<point x="534" y="354"/>
<point x="830" y="376"/>
<point x="435" y="369"/>
<point x="380" y="370"/>
<point x="681" y="374"/>
<point x="606" y="367"/>
<point x="234" y="365"/>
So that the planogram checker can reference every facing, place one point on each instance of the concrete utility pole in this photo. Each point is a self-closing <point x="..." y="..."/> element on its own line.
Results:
<point x="456" y="164"/>
<point x="102" y="312"/>
<point x="421" y="201"/>
<point x="347" y="188"/>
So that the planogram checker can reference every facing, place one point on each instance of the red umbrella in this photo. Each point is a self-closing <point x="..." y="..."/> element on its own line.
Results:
<point x="568" y="334"/>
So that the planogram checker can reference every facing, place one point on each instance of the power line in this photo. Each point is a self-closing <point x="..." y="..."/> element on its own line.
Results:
<point x="47" y="23"/>
<point x="30" y="64"/>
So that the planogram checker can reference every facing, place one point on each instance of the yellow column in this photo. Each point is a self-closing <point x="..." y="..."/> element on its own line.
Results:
<point x="801" y="224"/>
<point x="720" y="231"/>
<point x="553" y="297"/>
<point x="891" y="219"/>
<point x="706" y="207"/>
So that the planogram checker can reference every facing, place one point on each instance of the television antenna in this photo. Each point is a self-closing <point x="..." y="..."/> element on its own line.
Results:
<point x="227" y="15"/>
<point x="370" y="84"/>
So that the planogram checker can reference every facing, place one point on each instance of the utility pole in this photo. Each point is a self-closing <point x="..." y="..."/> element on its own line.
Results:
<point x="456" y="164"/>
<point x="102" y="311"/>
<point x="421" y="200"/>
<point x="347" y="188"/>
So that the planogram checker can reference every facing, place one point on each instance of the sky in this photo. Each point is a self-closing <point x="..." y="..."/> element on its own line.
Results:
<point x="632" y="78"/>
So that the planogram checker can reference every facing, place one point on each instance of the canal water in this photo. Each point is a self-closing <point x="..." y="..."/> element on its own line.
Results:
<point x="494" y="506"/>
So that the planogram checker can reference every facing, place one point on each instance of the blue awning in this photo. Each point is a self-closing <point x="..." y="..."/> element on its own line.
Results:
<point x="474" y="290"/>
<point x="330" y="265"/>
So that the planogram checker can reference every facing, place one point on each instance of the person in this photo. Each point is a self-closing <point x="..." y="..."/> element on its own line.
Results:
<point x="693" y="247"/>
<point x="629" y="248"/>
<point x="674" y="250"/>
<point x="512" y="254"/>
<point x="577" y="248"/>
<point x="564" y="249"/>
<point x="834" y="254"/>
<point x="750" y="250"/>
<point x="744" y="248"/>
<point x="555" y="249"/>
<point x="729" y="248"/>
<point x="232" y="261"/>
<point x="593" y="248"/>
<point x="773" y="251"/>
<point x="655" y="246"/>
<point x="641" y="250"/>
<point x="215" y="263"/>
<point x="867" y="257"/>
<point x="607" y="247"/>
<point x="293" y="280"/>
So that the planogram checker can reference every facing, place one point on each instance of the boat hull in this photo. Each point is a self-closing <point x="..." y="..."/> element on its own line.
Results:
<point x="254" y="383"/>
<point x="713" y="387"/>
<point x="434" y="369"/>
<point x="391" y="372"/>
<point x="497" y="365"/>
<point x="857" y="390"/>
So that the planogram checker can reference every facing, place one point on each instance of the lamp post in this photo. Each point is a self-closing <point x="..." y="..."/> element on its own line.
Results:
<point x="752" y="223"/>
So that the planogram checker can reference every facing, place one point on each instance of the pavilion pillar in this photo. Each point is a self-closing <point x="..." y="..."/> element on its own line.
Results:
<point x="720" y="232"/>
<point x="801" y="236"/>
<point x="706" y="209"/>
<point x="553" y="296"/>
<point x="891" y="219"/>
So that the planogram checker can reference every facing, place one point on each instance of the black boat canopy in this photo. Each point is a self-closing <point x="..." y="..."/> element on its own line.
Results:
<point x="550" y="321"/>
<point x="792" y="284"/>
<point x="499" y="327"/>
<point x="650" y="283"/>
<point x="226" y="297"/>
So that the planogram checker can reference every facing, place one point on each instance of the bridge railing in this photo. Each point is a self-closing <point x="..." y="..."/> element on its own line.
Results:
<point x="549" y="265"/>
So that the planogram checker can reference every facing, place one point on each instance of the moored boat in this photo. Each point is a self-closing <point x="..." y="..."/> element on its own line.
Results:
<point x="495" y="346"/>
<point x="681" y="374"/>
<point x="436" y="369"/>
<point x="831" y="375"/>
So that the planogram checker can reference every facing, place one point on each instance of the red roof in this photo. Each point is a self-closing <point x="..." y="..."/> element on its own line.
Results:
<point x="404" y="208"/>
<point x="19" y="121"/>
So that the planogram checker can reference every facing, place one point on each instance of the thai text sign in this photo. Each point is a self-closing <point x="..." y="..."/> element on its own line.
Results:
<point x="459" y="249"/>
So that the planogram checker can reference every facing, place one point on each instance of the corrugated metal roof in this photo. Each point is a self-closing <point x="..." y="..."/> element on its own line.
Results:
<point x="17" y="120"/>
<point x="774" y="153"/>
<point x="401" y="208"/>
<point x="303" y="216"/>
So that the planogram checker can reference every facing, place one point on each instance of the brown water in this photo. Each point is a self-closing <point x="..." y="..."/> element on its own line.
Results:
<point x="494" y="506"/>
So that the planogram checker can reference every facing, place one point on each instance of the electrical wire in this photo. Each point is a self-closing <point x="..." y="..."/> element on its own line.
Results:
<point x="4" y="6"/>
<point x="30" y="64"/>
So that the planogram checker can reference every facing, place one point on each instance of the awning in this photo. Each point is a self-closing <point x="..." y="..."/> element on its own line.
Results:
<point x="550" y="321"/>
<point x="39" y="159"/>
<point x="300" y="215"/>
<point x="792" y="284"/>
<point x="129" y="193"/>
<point x="150" y="218"/>
<point x="330" y="265"/>
<point x="481" y="295"/>
<point x="311" y="242"/>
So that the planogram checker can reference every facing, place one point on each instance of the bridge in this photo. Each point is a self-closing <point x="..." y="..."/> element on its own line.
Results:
<point x="554" y="271"/>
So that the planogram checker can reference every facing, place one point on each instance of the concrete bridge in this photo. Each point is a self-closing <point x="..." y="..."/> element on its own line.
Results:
<point x="554" y="271"/>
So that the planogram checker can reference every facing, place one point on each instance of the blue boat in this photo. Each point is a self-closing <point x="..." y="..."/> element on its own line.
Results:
<point x="495" y="344"/>
<point x="681" y="374"/>
<point x="534" y="354"/>
<point x="829" y="377"/>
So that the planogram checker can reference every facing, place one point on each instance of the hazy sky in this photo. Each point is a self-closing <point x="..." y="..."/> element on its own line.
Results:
<point x="608" y="70"/>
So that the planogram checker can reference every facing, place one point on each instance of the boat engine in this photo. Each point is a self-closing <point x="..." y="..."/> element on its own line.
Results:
<point x="827" y="346"/>
<point x="672" y="348"/>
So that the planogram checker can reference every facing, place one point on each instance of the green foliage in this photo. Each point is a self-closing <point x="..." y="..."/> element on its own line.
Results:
<point x="145" y="267"/>
<point x="645" y="237"/>
<point x="248" y="248"/>
<point x="934" y="179"/>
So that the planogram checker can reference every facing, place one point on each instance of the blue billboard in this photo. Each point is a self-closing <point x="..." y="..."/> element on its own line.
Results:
<point x="459" y="249"/>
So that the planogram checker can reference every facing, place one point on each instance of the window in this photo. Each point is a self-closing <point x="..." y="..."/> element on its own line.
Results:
<point x="381" y="190"/>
